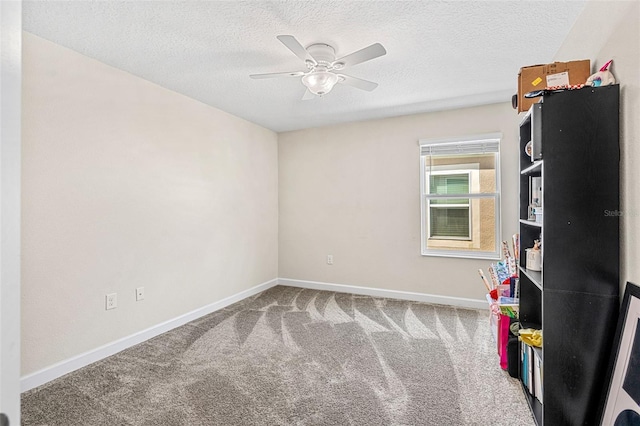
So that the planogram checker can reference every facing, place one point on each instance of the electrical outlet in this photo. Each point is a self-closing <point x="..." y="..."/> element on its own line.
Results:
<point x="139" y="294"/>
<point x="112" y="301"/>
<point x="329" y="259"/>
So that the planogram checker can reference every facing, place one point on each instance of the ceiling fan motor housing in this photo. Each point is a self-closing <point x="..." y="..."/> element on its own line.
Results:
<point x="322" y="53"/>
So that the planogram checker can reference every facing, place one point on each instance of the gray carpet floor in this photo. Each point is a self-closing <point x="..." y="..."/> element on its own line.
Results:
<point x="291" y="356"/>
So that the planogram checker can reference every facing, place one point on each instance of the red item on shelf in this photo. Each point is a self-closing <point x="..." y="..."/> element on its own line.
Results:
<point x="494" y="294"/>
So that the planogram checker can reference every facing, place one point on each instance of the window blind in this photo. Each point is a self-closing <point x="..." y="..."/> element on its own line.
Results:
<point x="463" y="147"/>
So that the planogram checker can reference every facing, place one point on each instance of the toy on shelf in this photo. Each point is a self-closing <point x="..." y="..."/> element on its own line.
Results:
<point x="534" y="257"/>
<point x="603" y="77"/>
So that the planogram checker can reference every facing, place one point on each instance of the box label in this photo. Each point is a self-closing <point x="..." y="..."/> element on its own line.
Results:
<point x="560" y="79"/>
<point x="536" y="81"/>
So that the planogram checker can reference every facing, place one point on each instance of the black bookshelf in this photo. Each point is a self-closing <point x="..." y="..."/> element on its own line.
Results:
<point x="574" y="299"/>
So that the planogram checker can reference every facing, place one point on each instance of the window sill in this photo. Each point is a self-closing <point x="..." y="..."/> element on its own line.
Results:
<point x="462" y="255"/>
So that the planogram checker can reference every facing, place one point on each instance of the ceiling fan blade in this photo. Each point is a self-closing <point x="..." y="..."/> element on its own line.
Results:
<point x="357" y="82"/>
<point x="308" y="95"/>
<point x="294" y="45"/>
<point x="278" y="74"/>
<point x="362" y="55"/>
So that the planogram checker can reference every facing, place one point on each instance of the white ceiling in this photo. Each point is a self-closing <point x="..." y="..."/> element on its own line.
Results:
<point x="440" y="54"/>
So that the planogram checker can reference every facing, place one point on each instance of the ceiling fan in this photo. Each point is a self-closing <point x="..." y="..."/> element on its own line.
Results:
<point x="323" y="69"/>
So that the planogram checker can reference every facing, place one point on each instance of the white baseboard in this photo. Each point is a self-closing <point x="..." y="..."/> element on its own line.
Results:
<point x="52" y="372"/>
<point x="47" y="374"/>
<point x="392" y="294"/>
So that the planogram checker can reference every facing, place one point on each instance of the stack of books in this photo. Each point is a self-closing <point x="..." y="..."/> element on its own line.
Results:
<point x="531" y="369"/>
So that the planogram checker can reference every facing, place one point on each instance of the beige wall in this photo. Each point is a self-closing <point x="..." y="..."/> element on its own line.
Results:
<point x="353" y="191"/>
<point x="611" y="30"/>
<point x="127" y="184"/>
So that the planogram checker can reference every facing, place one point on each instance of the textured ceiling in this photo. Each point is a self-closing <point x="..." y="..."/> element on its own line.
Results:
<point x="440" y="54"/>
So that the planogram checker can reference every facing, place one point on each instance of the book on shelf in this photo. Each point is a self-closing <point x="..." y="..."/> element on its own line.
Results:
<point x="537" y="374"/>
<point x="532" y="370"/>
<point x="526" y="377"/>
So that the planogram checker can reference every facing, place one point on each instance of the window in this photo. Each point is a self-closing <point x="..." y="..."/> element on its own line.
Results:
<point x="449" y="218"/>
<point x="459" y="183"/>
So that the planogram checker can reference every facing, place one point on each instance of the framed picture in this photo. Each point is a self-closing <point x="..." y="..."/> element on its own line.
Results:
<point x="622" y="404"/>
<point x="535" y="191"/>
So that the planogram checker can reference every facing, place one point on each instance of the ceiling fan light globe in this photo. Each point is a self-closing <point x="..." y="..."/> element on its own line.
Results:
<point x="320" y="82"/>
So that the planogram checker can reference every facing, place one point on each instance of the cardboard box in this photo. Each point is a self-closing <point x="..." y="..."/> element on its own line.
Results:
<point x="537" y="77"/>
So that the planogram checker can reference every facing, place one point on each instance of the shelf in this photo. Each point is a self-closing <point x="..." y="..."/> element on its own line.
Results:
<point x="575" y="306"/>
<point x="534" y="169"/>
<point x="531" y="223"/>
<point x="534" y="276"/>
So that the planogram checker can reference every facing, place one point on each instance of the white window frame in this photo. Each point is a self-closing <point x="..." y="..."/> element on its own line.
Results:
<point x="476" y="144"/>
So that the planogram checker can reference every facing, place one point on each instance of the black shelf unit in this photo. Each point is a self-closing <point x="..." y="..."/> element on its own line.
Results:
<point x="574" y="299"/>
